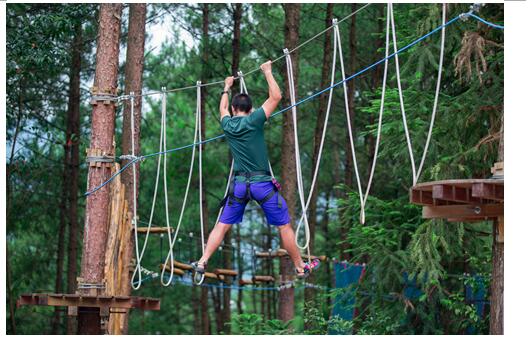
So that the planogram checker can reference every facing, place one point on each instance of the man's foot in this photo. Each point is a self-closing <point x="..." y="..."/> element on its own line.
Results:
<point x="308" y="268"/>
<point x="199" y="272"/>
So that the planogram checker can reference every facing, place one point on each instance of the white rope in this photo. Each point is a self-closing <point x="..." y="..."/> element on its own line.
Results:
<point x="323" y="138"/>
<point x="165" y="186"/>
<point x="437" y="94"/>
<point x="349" y="123"/>
<point x="182" y="211"/>
<point x="416" y="173"/>
<point x="199" y="112"/>
<point x="380" y="118"/>
<point x="300" y="188"/>
<point x="139" y="256"/>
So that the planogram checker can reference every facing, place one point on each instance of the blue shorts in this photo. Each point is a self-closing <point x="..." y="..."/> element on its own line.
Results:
<point x="234" y="211"/>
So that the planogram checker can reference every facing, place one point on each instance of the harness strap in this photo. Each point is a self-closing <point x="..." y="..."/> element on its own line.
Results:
<point x="230" y="196"/>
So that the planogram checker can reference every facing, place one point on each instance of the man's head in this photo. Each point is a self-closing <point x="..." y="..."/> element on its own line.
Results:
<point x="241" y="103"/>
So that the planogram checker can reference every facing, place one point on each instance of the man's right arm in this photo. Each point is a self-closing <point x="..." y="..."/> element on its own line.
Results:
<point x="274" y="92"/>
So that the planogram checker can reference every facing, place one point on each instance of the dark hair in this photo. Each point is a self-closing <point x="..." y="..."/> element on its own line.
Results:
<point x="241" y="102"/>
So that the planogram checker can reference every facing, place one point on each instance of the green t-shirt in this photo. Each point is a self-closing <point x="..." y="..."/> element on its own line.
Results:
<point x="245" y="135"/>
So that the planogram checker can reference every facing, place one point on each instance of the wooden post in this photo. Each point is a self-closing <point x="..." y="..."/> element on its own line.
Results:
<point x="102" y="138"/>
<point x="497" y="274"/>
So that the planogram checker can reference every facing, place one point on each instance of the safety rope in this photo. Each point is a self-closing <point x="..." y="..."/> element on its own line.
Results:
<point x="347" y="113"/>
<point x="416" y="173"/>
<point x="380" y="119"/>
<point x="182" y="211"/>
<point x="298" y="168"/>
<point x="200" y="144"/>
<point x="321" y="146"/>
<point x="139" y="256"/>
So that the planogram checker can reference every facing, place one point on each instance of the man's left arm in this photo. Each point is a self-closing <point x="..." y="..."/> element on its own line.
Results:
<point x="224" y="101"/>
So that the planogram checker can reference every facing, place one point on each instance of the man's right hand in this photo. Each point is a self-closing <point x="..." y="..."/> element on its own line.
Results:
<point x="228" y="83"/>
<point x="266" y="67"/>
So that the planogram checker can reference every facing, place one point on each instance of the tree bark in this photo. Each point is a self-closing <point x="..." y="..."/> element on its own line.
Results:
<point x="8" y="207"/>
<point x="288" y="171"/>
<point x="72" y="164"/>
<point x="133" y="83"/>
<point x="102" y="138"/>
<point x="206" y="325"/>
<point x="235" y="64"/>
<point x="497" y="275"/>
<point x="351" y="86"/>
<point x="309" y="294"/>
<point x="240" y="263"/>
<point x="55" y="323"/>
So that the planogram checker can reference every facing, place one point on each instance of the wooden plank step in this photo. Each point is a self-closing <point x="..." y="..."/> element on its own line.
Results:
<point x="226" y="272"/>
<point x="154" y="230"/>
<point x="243" y="282"/>
<point x="263" y="279"/>
<point x="182" y="266"/>
<point x="177" y="271"/>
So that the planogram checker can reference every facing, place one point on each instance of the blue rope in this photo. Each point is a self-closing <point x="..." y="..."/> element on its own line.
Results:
<point x="299" y="102"/>
<point x="494" y="25"/>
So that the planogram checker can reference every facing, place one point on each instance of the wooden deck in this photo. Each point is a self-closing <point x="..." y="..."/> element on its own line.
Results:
<point x="460" y="200"/>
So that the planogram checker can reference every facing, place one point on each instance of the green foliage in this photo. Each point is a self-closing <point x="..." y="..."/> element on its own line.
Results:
<point x="252" y="324"/>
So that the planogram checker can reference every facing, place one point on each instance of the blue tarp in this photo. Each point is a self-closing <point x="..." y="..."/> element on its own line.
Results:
<point x="345" y="275"/>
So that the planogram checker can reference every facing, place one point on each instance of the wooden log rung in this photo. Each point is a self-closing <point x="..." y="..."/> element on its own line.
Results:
<point x="226" y="272"/>
<point x="263" y="279"/>
<point x="154" y="230"/>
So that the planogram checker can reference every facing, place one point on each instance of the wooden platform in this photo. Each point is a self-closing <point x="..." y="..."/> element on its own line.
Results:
<point x="282" y="253"/>
<point x="123" y="302"/>
<point x="460" y="200"/>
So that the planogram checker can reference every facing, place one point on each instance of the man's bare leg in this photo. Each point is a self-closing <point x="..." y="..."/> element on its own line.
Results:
<point x="288" y="241"/>
<point x="213" y="242"/>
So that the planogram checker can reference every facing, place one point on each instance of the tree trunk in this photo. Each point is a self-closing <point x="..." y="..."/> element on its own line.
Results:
<point x="237" y="18"/>
<point x="309" y="294"/>
<point x="72" y="165"/>
<point x="206" y="325"/>
<point x="8" y="209"/>
<point x="288" y="171"/>
<point x="102" y="138"/>
<point x="55" y="323"/>
<point x="133" y="83"/>
<point x="240" y="264"/>
<point x="497" y="275"/>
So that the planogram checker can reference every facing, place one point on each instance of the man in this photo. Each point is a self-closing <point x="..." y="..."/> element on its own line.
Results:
<point x="252" y="180"/>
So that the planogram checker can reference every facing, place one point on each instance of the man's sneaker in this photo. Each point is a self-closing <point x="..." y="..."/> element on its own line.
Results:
<point x="309" y="268"/>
